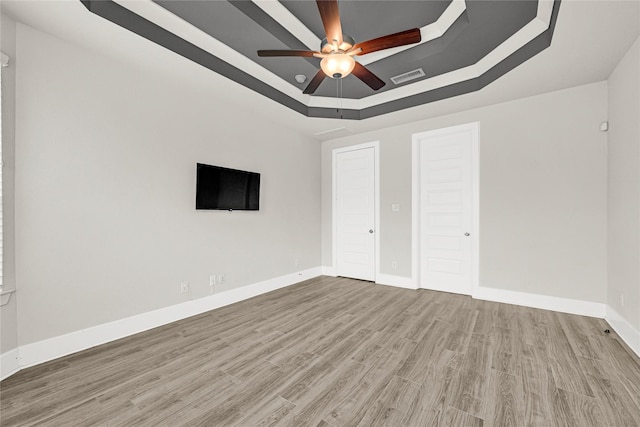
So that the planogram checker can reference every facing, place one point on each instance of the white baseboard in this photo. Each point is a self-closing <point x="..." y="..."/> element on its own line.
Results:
<point x="52" y="348"/>
<point x="624" y="329"/>
<point x="397" y="281"/>
<point x="545" y="302"/>
<point x="9" y="363"/>
<point x="328" y="270"/>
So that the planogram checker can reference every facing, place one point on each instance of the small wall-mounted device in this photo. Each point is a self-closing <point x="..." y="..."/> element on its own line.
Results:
<point x="604" y="126"/>
<point x="4" y="59"/>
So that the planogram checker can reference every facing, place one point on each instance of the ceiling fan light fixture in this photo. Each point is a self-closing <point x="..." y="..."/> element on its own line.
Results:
<point x="337" y="65"/>
<point x="337" y="50"/>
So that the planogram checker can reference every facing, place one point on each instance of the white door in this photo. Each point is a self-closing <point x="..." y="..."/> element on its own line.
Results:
<point x="446" y="209"/>
<point x="355" y="213"/>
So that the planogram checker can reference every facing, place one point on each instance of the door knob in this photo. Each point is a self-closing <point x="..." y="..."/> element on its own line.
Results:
<point x="467" y="234"/>
<point x="370" y="231"/>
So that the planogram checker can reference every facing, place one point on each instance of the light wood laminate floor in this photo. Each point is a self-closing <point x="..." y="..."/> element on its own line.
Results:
<point x="341" y="352"/>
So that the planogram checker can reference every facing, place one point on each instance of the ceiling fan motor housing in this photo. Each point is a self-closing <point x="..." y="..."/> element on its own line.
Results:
<point x="347" y="44"/>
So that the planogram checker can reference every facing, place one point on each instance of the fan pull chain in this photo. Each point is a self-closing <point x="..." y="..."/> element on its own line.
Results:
<point x="339" y="97"/>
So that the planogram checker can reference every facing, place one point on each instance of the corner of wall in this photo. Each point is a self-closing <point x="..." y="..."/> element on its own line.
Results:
<point x="626" y="331"/>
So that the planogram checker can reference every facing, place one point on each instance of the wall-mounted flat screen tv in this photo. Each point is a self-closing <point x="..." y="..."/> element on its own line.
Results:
<point x="220" y="188"/>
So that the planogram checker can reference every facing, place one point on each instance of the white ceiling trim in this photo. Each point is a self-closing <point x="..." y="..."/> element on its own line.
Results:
<point x="183" y="29"/>
<point x="545" y="10"/>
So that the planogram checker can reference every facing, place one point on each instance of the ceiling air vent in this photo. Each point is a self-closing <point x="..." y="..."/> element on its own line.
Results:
<point x="410" y="75"/>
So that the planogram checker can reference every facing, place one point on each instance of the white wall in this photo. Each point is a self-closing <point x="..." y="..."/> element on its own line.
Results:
<point x="8" y="312"/>
<point x="542" y="193"/>
<point x="105" y="170"/>
<point x="624" y="194"/>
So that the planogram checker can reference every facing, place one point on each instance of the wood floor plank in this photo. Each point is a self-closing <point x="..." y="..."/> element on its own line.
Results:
<point x="621" y="357"/>
<point x="580" y="336"/>
<point x="351" y="408"/>
<point x="574" y="409"/>
<point x="457" y="418"/>
<point x="305" y="383"/>
<point x="620" y="408"/>
<point x="538" y="389"/>
<point x="487" y="313"/>
<point x="507" y="349"/>
<point x="229" y="408"/>
<point x="431" y="403"/>
<point x="534" y="330"/>
<point x="460" y="330"/>
<point x="564" y="364"/>
<point x="339" y="352"/>
<point x="427" y="350"/>
<point x="504" y="406"/>
<point x="422" y="324"/>
<point x="479" y="354"/>
<point x="268" y="414"/>
<point x="392" y="405"/>
<point x="312" y="406"/>
<point x="470" y="391"/>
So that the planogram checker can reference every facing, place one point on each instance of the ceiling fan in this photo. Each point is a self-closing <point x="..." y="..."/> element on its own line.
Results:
<point x="337" y="50"/>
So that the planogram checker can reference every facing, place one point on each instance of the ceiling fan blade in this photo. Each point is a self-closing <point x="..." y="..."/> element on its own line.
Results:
<point x="367" y="76"/>
<point x="392" y="40"/>
<point x="269" y="53"/>
<point x="330" y="15"/>
<point x="315" y="82"/>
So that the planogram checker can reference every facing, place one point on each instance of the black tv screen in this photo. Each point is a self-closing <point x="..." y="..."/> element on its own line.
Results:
<point x="226" y="189"/>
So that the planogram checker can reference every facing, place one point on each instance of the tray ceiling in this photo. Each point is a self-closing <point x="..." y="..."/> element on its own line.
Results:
<point x="465" y="45"/>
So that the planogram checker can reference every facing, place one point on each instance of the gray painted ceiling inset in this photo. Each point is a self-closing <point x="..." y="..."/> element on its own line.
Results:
<point x="472" y="33"/>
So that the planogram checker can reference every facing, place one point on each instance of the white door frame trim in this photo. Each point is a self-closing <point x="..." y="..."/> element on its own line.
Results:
<point x="474" y="127"/>
<point x="334" y="206"/>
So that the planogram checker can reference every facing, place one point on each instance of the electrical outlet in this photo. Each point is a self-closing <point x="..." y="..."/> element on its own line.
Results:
<point x="221" y="279"/>
<point x="212" y="283"/>
<point x="394" y="265"/>
<point x="184" y="287"/>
